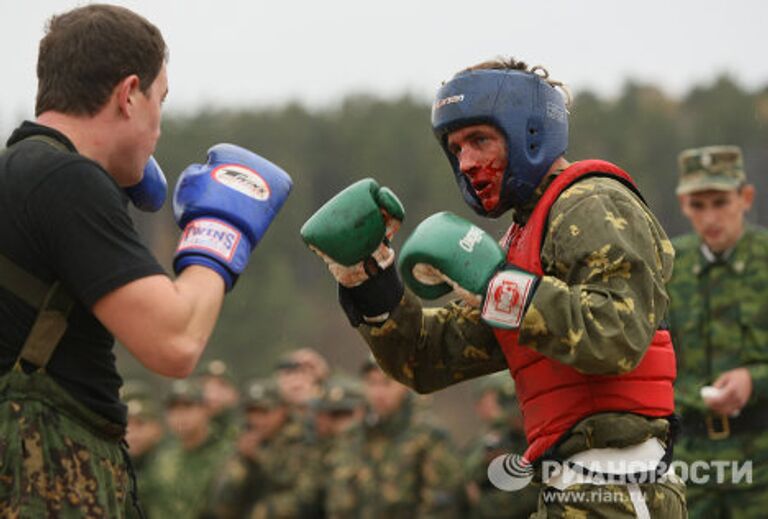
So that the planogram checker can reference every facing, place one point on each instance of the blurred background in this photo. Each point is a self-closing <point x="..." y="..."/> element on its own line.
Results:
<point x="335" y="91"/>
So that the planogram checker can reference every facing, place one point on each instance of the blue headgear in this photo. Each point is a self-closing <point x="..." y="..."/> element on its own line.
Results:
<point x="530" y="113"/>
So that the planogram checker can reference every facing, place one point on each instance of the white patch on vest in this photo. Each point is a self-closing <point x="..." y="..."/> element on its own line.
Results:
<point x="242" y="179"/>
<point x="473" y="237"/>
<point x="450" y="100"/>
<point x="211" y="236"/>
<point x="505" y="299"/>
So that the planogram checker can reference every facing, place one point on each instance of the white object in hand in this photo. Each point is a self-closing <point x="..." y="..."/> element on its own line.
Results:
<point x="708" y="392"/>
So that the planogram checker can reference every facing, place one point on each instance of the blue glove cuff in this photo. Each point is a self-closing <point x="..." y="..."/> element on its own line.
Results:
<point x="216" y="244"/>
<point x="182" y="262"/>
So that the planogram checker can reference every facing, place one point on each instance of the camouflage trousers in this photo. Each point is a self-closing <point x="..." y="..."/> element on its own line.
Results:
<point x="56" y="458"/>
<point x="717" y="494"/>
<point x="664" y="499"/>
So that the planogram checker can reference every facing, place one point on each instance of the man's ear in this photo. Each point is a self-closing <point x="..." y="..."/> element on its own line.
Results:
<point x="683" y="201"/>
<point x="747" y="194"/>
<point x="126" y="91"/>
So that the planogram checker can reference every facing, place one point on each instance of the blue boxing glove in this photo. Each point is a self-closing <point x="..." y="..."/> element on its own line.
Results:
<point x="224" y="208"/>
<point x="149" y="194"/>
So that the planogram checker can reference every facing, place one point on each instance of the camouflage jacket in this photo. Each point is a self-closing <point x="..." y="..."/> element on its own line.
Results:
<point x="181" y="479"/>
<point x="605" y="259"/>
<point x="400" y="467"/>
<point x="718" y="315"/>
<point x="483" y="500"/>
<point x="268" y="484"/>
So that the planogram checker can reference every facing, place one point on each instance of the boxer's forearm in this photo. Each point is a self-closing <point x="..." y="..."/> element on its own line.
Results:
<point x="431" y="348"/>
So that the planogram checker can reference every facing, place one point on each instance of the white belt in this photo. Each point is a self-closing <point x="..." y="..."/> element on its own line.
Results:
<point x="643" y="457"/>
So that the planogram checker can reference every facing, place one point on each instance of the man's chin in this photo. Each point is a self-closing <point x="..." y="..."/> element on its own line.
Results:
<point x="489" y="204"/>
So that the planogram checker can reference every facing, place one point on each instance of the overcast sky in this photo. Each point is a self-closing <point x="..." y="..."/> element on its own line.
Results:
<point x="257" y="53"/>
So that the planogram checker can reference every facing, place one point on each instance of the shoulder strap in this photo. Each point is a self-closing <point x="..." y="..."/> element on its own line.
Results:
<point x="53" y="304"/>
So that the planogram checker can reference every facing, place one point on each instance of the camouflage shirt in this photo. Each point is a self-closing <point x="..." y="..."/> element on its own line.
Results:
<point x="182" y="479"/>
<point x="483" y="500"/>
<point x="267" y="484"/>
<point x="605" y="259"/>
<point x="398" y="467"/>
<point x="718" y="316"/>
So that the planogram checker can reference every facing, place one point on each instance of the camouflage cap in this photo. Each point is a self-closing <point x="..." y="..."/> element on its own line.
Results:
<point x="188" y="390"/>
<point x="718" y="168"/>
<point x="262" y="393"/>
<point x="216" y="368"/>
<point x="304" y="358"/>
<point x="340" y="395"/>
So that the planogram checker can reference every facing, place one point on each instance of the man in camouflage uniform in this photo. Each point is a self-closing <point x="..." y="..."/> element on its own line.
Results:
<point x="573" y="304"/>
<point x="719" y="318"/>
<point x="222" y="398"/>
<point x="145" y="435"/>
<point x="182" y="472"/>
<point x="339" y="407"/>
<point x="300" y="375"/>
<point x="393" y="464"/>
<point x="262" y="479"/>
<point x="497" y="409"/>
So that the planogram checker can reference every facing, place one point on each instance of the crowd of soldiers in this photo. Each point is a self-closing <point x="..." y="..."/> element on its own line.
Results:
<point x="309" y="443"/>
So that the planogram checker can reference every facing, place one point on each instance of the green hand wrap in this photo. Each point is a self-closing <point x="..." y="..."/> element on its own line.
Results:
<point x="350" y="226"/>
<point x="461" y="251"/>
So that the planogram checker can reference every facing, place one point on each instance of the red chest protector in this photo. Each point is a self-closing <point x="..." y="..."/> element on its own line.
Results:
<point x="553" y="396"/>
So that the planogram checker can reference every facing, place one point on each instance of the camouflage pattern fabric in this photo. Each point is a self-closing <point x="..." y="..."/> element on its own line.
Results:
<point x="270" y="482"/>
<point x="396" y="468"/>
<point x="719" y="320"/>
<point x="485" y="501"/>
<point x="182" y="479"/>
<point x="226" y="425"/>
<point x="710" y="168"/>
<point x="664" y="500"/>
<point x="150" y="492"/>
<point x="57" y="458"/>
<point x="606" y="260"/>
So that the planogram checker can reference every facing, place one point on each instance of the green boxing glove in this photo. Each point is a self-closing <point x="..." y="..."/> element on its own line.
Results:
<point x="448" y="254"/>
<point x="351" y="232"/>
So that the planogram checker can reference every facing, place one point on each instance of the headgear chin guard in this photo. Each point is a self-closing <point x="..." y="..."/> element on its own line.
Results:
<point x="530" y="113"/>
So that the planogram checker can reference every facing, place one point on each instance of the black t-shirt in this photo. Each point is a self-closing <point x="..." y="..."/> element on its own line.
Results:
<point x="63" y="217"/>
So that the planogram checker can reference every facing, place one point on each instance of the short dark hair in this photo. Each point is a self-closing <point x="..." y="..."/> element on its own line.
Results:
<point x="87" y="51"/>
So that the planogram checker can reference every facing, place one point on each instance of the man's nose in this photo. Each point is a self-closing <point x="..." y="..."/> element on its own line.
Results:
<point x="467" y="161"/>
